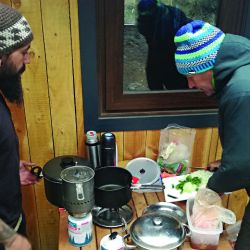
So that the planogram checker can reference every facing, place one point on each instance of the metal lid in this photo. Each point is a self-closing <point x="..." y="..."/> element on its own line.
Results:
<point x="157" y="231"/>
<point x="168" y="208"/>
<point x="145" y="169"/>
<point x="77" y="174"/>
<point x="53" y="168"/>
<point x="91" y="137"/>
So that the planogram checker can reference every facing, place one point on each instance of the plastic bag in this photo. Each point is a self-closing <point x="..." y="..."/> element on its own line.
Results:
<point x="175" y="148"/>
<point x="232" y="232"/>
<point x="208" y="211"/>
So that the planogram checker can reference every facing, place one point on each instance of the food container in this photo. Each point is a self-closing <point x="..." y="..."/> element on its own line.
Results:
<point x="202" y="238"/>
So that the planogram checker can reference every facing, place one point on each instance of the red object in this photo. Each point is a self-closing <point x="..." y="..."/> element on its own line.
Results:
<point x="165" y="175"/>
<point x="61" y="209"/>
<point x="135" y="180"/>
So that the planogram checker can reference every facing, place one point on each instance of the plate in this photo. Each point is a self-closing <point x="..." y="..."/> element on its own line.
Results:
<point x="171" y="193"/>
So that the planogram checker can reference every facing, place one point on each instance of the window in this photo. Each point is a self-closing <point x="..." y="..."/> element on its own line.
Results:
<point x="106" y="105"/>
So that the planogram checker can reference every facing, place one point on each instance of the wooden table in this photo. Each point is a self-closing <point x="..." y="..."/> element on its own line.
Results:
<point x="138" y="203"/>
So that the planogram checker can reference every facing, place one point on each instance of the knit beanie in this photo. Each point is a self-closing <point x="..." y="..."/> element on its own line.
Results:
<point x="15" y="32"/>
<point x="197" y="44"/>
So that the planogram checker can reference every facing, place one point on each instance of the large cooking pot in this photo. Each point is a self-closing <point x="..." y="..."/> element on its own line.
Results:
<point x="52" y="176"/>
<point x="112" y="187"/>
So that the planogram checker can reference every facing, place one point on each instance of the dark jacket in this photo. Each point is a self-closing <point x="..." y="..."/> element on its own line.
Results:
<point x="10" y="188"/>
<point x="232" y="86"/>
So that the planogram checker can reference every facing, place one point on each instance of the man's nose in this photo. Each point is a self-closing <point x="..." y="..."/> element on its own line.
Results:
<point x="26" y="59"/>
<point x="191" y="84"/>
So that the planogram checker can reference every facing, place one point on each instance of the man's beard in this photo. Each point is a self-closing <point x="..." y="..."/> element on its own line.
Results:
<point x="10" y="82"/>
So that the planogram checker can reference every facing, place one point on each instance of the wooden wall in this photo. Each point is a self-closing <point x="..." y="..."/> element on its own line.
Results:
<point x="51" y="122"/>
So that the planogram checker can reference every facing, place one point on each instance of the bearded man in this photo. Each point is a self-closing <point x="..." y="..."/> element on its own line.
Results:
<point x="15" y="39"/>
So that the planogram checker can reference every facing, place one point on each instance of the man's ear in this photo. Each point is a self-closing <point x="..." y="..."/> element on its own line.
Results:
<point x="0" y="62"/>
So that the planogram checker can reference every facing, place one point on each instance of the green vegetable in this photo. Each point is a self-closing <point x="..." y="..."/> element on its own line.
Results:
<point x="189" y="184"/>
<point x="189" y="187"/>
<point x="203" y="175"/>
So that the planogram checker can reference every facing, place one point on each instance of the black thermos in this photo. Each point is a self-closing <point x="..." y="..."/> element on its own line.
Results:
<point x="108" y="150"/>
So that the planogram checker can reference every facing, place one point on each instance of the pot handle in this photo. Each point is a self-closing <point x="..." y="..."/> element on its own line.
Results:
<point x="128" y="246"/>
<point x="187" y="229"/>
<point x="79" y="192"/>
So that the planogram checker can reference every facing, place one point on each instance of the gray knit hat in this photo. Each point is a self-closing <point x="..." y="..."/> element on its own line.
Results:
<point x="15" y="31"/>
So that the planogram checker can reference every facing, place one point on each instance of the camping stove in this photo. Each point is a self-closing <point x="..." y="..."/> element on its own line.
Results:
<point x="112" y="217"/>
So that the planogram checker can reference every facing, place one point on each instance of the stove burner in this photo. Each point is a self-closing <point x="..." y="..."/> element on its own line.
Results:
<point x="112" y="217"/>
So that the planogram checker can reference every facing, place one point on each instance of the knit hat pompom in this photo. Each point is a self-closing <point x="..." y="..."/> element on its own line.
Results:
<point x="197" y="44"/>
<point x="15" y="31"/>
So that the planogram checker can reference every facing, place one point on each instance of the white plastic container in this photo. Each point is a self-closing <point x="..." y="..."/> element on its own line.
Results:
<point x="202" y="238"/>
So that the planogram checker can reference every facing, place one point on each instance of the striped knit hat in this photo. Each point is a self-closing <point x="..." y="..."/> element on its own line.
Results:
<point x="197" y="46"/>
<point x="15" y="31"/>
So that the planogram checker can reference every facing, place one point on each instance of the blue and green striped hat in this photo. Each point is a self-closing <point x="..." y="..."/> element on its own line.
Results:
<point x="197" y="44"/>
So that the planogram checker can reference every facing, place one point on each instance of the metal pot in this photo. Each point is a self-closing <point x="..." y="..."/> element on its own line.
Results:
<point x="78" y="189"/>
<point x="157" y="231"/>
<point x="112" y="187"/>
<point x="52" y="179"/>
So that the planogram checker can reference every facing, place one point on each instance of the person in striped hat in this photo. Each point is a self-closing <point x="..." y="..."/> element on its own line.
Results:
<point x="219" y="64"/>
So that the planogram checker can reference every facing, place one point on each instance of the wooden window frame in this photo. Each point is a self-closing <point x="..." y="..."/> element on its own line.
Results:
<point x="106" y="106"/>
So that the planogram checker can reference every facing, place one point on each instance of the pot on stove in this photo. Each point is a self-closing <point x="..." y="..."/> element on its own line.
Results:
<point x="78" y="189"/>
<point x="52" y="179"/>
<point x="112" y="187"/>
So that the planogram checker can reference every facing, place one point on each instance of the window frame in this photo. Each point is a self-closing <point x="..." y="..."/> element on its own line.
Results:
<point x="106" y="107"/>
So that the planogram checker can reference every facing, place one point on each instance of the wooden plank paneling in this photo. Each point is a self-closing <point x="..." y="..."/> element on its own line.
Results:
<point x="213" y="145"/>
<point x="134" y="144"/>
<point x="75" y="45"/>
<point x="58" y="51"/>
<point x="152" y="144"/>
<point x="237" y="203"/>
<point x="119" y="142"/>
<point x="219" y="151"/>
<point x="201" y="147"/>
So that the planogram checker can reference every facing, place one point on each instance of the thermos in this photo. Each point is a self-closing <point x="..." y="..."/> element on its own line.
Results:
<point x="93" y="149"/>
<point x="108" y="150"/>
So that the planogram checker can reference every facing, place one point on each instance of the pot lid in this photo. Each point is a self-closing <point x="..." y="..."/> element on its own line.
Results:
<point x="145" y="169"/>
<point x="157" y="231"/>
<point x="53" y="168"/>
<point x="168" y="208"/>
<point x="77" y="174"/>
